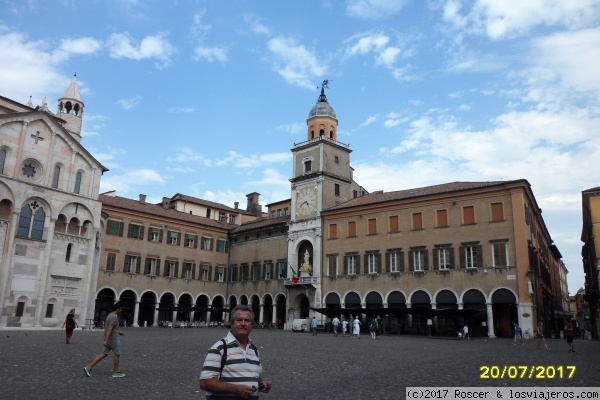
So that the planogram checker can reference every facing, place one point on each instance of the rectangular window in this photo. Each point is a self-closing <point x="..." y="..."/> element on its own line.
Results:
<point x="307" y="166"/>
<point x="393" y="225"/>
<point x="332" y="231"/>
<point x="174" y="238"/>
<point x="204" y="273"/>
<point x="114" y="228"/>
<point x="170" y="270"/>
<point x="471" y="257"/>
<point x="49" y="310"/>
<point x="372" y="226"/>
<point x="222" y="216"/>
<point x="273" y="214"/>
<point x="231" y="219"/>
<point x="279" y="212"/>
<point x="354" y="194"/>
<point x="500" y="254"/>
<point x="221" y="246"/>
<point x="441" y="218"/>
<point x="233" y="273"/>
<point x="352" y="264"/>
<point x="286" y="211"/>
<point x="352" y="229"/>
<point x="417" y="221"/>
<point x="332" y="265"/>
<point x="336" y="160"/>
<point x="20" y="309"/>
<point x="206" y="243"/>
<point x="135" y="231"/>
<point x="394" y="257"/>
<point x="255" y="272"/>
<point x="220" y="274"/>
<point x="244" y="272"/>
<point x="154" y="235"/>
<point x="282" y="268"/>
<point x="418" y="260"/>
<point x="372" y="263"/>
<point x="497" y="212"/>
<point x="337" y="189"/>
<point x="468" y="215"/>
<point x="187" y="270"/>
<point x="208" y="212"/>
<point x="268" y="271"/>
<point x="131" y="263"/>
<point x="151" y="264"/>
<point x="111" y="261"/>
<point x="444" y="258"/>
<point x="190" y="240"/>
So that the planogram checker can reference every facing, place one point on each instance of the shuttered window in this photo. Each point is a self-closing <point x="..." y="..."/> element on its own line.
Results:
<point x="468" y="215"/>
<point x="372" y="226"/>
<point x="441" y="217"/>
<point x="417" y="221"/>
<point x="394" y="226"/>
<point x="352" y="229"/>
<point x="497" y="212"/>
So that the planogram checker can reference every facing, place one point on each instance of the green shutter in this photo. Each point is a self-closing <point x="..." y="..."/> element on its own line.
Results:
<point x="268" y="269"/>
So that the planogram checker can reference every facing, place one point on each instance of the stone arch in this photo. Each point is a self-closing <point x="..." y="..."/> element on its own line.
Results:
<point x="504" y="310"/>
<point x="218" y="308"/>
<point x="300" y="306"/>
<point x="106" y="297"/>
<point x="147" y="306"/>
<point x="201" y="306"/>
<point x="305" y="246"/>
<point x="267" y="309"/>
<point x="281" y="302"/>
<point x="244" y="299"/>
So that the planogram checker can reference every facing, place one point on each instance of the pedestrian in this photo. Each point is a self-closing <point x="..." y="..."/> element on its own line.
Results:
<point x="232" y="368"/>
<point x="379" y="328"/>
<point x="541" y="337"/>
<point x="313" y="326"/>
<point x="111" y="343"/>
<point x="70" y="324"/>
<point x="336" y="324"/>
<point x="344" y="327"/>
<point x="570" y="334"/>
<point x="356" y="325"/>
<point x="373" y="328"/>
<point x="351" y="326"/>
<point x="465" y="332"/>
<point x="518" y="333"/>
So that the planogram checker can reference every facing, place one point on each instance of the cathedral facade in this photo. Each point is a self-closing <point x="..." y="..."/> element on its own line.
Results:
<point x="50" y="214"/>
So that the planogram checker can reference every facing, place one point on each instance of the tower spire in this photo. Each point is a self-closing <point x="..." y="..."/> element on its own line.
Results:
<point x="70" y="108"/>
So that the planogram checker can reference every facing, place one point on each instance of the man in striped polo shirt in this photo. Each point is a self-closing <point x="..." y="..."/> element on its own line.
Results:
<point x="232" y="368"/>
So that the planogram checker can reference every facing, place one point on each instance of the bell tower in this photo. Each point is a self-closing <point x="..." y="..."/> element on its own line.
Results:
<point x="70" y="109"/>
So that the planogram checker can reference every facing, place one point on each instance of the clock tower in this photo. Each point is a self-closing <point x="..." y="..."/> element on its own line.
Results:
<point x="322" y="178"/>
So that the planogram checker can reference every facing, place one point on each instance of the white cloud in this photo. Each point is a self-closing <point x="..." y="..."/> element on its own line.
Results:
<point x="85" y="45"/>
<point x="181" y="110"/>
<point x="122" y="45"/>
<point x="255" y="160"/>
<point x="370" y="120"/>
<point x="514" y="18"/>
<point x="256" y="26"/>
<point x="295" y="63"/>
<point x="188" y="155"/>
<point x="211" y="54"/>
<point x="293" y="128"/>
<point x="128" y="104"/>
<point x="125" y="182"/>
<point x="374" y="9"/>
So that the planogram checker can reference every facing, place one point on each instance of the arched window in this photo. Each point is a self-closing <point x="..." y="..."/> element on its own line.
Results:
<point x="56" y="176"/>
<point x="68" y="256"/>
<point x="2" y="160"/>
<point x="31" y="227"/>
<point x="77" y="182"/>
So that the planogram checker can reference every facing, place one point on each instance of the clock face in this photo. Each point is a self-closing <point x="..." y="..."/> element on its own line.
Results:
<point x="306" y="201"/>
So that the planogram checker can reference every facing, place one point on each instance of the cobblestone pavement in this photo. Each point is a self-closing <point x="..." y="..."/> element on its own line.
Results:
<point x="165" y="363"/>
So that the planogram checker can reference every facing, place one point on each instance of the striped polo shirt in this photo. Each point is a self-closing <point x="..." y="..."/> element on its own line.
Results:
<point x="242" y="367"/>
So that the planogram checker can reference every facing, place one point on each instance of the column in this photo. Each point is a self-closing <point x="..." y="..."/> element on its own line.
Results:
<point x="174" y="317"/>
<point x="192" y="315"/>
<point x="20" y="149"/>
<point x="208" y="317"/>
<point x="155" y="322"/>
<point x="6" y="259"/>
<point x="44" y="288"/>
<point x="261" y="316"/>
<point x="490" y="321"/>
<point x="88" y="302"/>
<point x="136" y="313"/>
<point x="435" y="318"/>
<point x="274" y="314"/>
<point x="409" y="316"/>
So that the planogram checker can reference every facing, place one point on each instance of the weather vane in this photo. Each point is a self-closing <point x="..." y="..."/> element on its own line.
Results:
<point x="325" y="83"/>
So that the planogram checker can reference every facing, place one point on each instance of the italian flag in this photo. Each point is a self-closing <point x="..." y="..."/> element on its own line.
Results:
<point x="294" y="275"/>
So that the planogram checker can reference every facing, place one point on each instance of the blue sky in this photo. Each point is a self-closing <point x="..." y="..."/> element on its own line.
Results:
<point x="206" y="98"/>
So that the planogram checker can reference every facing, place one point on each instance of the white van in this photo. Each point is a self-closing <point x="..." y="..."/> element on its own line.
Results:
<point x="299" y="325"/>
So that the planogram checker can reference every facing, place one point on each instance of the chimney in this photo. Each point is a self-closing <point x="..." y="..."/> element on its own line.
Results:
<point x="166" y="202"/>
<point x="236" y="204"/>
<point x="143" y="198"/>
